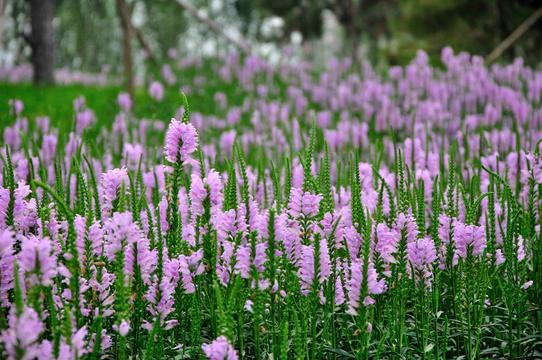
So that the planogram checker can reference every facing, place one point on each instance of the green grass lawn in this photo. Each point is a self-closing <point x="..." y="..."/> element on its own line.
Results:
<point x="57" y="101"/>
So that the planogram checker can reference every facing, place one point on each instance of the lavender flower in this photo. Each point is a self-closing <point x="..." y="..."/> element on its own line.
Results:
<point x="220" y="349"/>
<point x="84" y="119"/>
<point x="198" y="193"/>
<point x="38" y="260"/>
<point x="21" y="338"/>
<point x="188" y="268"/>
<point x="163" y="306"/>
<point x="354" y="287"/>
<point x="124" y="328"/>
<point x="469" y="237"/>
<point x="306" y="269"/>
<point x="125" y="102"/>
<point x="374" y="286"/>
<point x="111" y="183"/>
<point x="120" y="232"/>
<point x="325" y="266"/>
<point x="181" y="141"/>
<point x="156" y="90"/>
<point x="7" y="240"/>
<point x="520" y="248"/>
<point x="339" y="291"/>
<point x="422" y="255"/>
<point x="306" y="203"/>
<point x="16" y="107"/>
<point x="388" y="239"/>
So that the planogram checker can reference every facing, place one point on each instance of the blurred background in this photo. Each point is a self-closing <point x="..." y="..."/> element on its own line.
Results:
<point x="100" y="40"/>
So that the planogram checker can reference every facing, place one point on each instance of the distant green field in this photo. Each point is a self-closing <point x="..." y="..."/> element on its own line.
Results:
<point x="57" y="102"/>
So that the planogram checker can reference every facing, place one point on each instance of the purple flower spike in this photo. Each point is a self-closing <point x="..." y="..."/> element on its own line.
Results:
<point x="125" y="102"/>
<point x="156" y="90"/>
<point x="181" y="140"/>
<point x="220" y="349"/>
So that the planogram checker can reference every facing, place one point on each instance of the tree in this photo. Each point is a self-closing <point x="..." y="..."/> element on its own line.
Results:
<point x="42" y="40"/>
<point x="475" y="26"/>
<point x="301" y="16"/>
<point x="125" y="15"/>
<point x="368" y="18"/>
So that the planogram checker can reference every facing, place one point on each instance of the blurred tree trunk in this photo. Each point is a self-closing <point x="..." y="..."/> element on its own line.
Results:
<point x="125" y="16"/>
<point x="42" y="41"/>
<point x="3" y="4"/>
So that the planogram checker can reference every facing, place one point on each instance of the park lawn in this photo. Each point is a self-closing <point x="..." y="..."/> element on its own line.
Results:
<point x="56" y="102"/>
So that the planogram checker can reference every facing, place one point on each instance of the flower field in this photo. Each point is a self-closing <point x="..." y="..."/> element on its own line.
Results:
<point x="279" y="212"/>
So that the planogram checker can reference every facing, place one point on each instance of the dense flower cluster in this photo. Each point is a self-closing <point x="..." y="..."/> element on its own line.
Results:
<point x="295" y="232"/>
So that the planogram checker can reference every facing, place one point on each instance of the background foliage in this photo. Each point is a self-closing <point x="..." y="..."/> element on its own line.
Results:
<point x="390" y="31"/>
